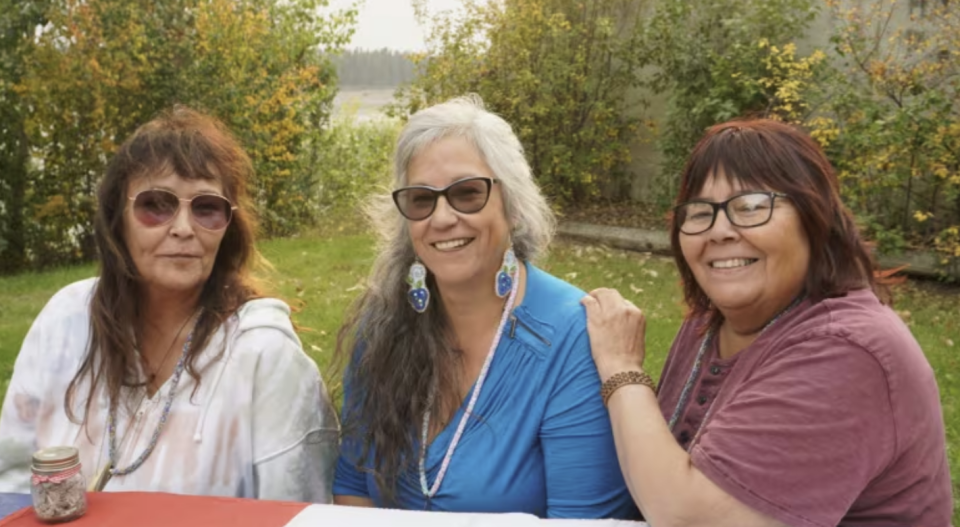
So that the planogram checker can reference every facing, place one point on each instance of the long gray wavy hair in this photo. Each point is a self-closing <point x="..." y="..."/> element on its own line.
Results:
<point x="396" y="354"/>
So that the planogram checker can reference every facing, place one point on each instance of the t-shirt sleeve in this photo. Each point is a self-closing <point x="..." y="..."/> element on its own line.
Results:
<point x="583" y="475"/>
<point x="802" y="437"/>
<point x="349" y="480"/>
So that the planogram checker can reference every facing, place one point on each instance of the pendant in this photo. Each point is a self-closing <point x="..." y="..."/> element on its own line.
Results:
<point x="101" y="479"/>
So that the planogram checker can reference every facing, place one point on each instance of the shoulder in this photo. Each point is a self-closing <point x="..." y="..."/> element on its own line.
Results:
<point x="552" y="300"/>
<point x="263" y="329"/>
<point x="850" y="339"/>
<point x="68" y="312"/>
<point x="857" y="321"/>
<point x="265" y="320"/>
<point x="72" y="299"/>
<point x="544" y="285"/>
<point x="551" y="312"/>
<point x="60" y="334"/>
<point x="263" y="326"/>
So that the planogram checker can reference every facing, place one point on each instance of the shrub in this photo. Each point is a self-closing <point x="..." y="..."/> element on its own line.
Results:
<point x="562" y="72"/>
<point x="889" y="118"/>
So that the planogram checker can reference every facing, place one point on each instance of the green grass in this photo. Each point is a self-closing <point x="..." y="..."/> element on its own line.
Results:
<point x="319" y="276"/>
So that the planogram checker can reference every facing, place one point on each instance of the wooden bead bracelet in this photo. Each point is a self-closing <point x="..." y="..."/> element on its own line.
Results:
<point x="622" y="379"/>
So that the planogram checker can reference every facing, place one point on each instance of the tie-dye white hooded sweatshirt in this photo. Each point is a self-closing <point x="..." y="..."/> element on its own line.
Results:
<point x="260" y="425"/>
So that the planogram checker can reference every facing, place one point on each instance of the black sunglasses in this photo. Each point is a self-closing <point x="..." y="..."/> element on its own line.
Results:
<point x="467" y="196"/>
<point x="750" y="209"/>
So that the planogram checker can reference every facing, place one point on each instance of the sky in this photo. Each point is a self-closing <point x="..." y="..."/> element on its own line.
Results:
<point x="390" y="23"/>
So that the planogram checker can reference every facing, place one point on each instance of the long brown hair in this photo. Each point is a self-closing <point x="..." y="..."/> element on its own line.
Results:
<point x="193" y="146"/>
<point x="767" y="154"/>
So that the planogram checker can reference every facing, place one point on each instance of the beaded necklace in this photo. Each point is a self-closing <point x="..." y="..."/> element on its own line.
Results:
<point x="112" y="419"/>
<point x="428" y="491"/>
<point x="695" y="372"/>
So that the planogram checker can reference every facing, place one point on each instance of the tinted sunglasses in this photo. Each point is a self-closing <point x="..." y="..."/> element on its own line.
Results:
<point x="467" y="196"/>
<point x="153" y="207"/>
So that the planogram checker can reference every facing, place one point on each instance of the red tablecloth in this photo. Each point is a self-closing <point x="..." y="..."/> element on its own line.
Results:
<point x="151" y="509"/>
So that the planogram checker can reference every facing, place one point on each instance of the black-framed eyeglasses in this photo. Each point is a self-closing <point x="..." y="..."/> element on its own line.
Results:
<point x="467" y="196"/>
<point x="750" y="209"/>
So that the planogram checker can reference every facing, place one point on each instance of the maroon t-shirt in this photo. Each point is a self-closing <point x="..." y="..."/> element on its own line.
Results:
<point x="832" y="416"/>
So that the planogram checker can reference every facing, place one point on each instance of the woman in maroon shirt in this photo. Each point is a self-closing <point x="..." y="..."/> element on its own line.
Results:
<point x="792" y="395"/>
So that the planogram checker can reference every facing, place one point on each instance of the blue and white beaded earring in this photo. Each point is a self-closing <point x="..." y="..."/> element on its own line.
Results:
<point x="507" y="271"/>
<point x="419" y="295"/>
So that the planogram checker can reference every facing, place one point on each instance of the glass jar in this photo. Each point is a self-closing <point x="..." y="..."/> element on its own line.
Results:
<point x="58" y="486"/>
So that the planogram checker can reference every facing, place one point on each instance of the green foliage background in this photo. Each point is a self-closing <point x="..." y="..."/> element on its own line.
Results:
<point x="562" y="72"/>
<point x="97" y="69"/>
<point x="880" y="93"/>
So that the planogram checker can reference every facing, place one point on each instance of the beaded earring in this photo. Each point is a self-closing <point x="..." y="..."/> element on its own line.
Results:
<point x="506" y="273"/>
<point x="419" y="295"/>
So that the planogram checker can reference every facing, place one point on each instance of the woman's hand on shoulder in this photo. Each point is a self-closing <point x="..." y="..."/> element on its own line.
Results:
<point x="617" y="328"/>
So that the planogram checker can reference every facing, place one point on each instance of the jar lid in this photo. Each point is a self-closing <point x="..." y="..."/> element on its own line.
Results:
<point x="56" y="458"/>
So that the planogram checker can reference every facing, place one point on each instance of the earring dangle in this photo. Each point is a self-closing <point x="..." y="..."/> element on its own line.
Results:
<point x="506" y="274"/>
<point x="419" y="295"/>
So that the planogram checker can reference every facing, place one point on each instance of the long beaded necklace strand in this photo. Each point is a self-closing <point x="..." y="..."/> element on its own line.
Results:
<point x="103" y="476"/>
<point x="695" y="371"/>
<point x="430" y="492"/>
<point x="111" y="419"/>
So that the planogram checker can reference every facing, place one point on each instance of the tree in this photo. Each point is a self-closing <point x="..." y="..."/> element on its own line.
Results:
<point x="100" y="68"/>
<point x="889" y="118"/>
<point x="265" y="69"/>
<point x="721" y="59"/>
<point x="16" y="27"/>
<point x="562" y="72"/>
<point x="85" y="87"/>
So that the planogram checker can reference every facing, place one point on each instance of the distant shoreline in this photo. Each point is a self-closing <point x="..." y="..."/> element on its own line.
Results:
<point x="366" y="88"/>
<point x="366" y="102"/>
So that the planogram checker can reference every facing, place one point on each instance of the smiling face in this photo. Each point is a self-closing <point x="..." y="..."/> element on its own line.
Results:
<point x="750" y="272"/>
<point x="178" y="256"/>
<point x="459" y="249"/>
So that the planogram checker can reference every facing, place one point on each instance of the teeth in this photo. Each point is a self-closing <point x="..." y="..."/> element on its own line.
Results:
<point x="731" y="263"/>
<point x="451" y="244"/>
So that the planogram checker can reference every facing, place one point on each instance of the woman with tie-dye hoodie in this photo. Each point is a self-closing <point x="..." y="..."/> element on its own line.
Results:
<point x="169" y="371"/>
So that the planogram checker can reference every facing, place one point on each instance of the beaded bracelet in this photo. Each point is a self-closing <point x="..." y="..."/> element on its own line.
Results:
<point x="622" y="379"/>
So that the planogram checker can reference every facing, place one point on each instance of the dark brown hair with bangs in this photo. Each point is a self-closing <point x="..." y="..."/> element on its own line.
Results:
<point x="193" y="146"/>
<point x="769" y="155"/>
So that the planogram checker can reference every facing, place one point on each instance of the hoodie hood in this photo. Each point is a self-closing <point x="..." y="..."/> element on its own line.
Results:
<point x="266" y="313"/>
<point x="259" y="313"/>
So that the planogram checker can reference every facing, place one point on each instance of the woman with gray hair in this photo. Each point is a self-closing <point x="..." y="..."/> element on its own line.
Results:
<point x="470" y="386"/>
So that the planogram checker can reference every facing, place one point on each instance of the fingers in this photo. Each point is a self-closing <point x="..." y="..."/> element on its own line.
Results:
<point x="606" y="299"/>
<point x="605" y="295"/>
<point x="591" y="305"/>
<point x="616" y="327"/>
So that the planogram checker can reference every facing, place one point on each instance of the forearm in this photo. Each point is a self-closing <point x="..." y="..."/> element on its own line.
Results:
<point x="658" y="472"/>
<point x="15" y="479"/>
<point x="18" y="440"/>
<point x="302" y="472"/>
